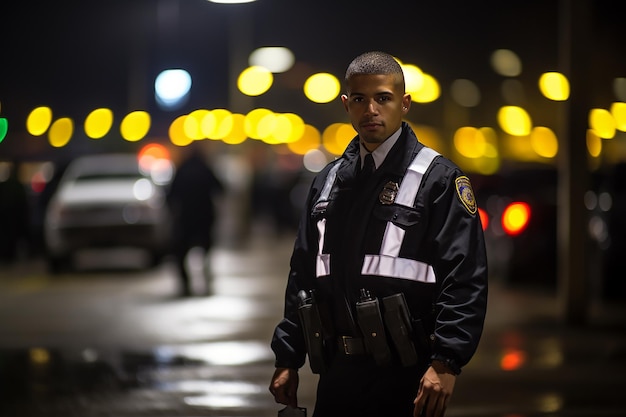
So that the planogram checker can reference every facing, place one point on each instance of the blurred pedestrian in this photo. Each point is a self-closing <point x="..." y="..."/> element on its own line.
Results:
<point x="14" y="214"/>
<point x="191" y="199"/>
<point x="391" y="255"/>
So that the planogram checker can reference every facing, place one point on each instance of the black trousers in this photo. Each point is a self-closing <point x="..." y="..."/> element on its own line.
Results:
<point x="355" y="386"/>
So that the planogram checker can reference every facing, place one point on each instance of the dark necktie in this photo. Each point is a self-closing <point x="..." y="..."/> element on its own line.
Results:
<point x="368" y="167"/>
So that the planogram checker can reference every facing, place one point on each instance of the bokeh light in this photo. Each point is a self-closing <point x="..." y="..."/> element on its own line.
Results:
<point x="544" y="142"/>
<point x="4" y="128"/>
<point x="289" y="127"/>
<point x="275" y="58"/>
<point x="465" y="93"/>
<point x="255" y="80"/>
<point x="171" y="88"/>
<point x="469" y="142"/>
<point x="193" y="124"/>
<point x="314" y="160"/>
<point x="594" y="143"/>
<point x="135" y="125"/>
<point x="554" y="86"/>
<point x="310" y="139"/>
<point x="222" y="120"/>
<point x="506" y="63"/>
<point x="322" y="87"/>
<point x="618" y="111"/>
<point x="602" y="123"/>
<point x="98" y="123"/>
<point x="258" y="123"/>
<point x="176" y="132"/>
<point x="336" y="137"/>
<point x="38" y="121"/>
<point x="514" y="120"/>
<point x="61" y="132"/>
<point x="413" y="77"/>
<point x="428" y="92"/>
<point x="237" y="133"/>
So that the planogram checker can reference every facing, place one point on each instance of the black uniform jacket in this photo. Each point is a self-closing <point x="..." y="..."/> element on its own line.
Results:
<point x="441" y="230"/>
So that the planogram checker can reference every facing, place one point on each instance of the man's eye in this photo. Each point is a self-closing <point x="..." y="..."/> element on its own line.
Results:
<point x="357" y="99"/>
<point x="382" y="99"/>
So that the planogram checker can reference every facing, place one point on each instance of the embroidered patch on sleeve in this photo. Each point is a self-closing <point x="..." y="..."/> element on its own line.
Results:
<point x="466" y="194"/>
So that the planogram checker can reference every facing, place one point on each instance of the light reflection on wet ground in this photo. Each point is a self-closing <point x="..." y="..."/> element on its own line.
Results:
<point x="145" y="352"/>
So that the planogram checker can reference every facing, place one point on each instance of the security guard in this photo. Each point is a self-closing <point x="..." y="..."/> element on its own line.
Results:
<point x="387" y="289"/>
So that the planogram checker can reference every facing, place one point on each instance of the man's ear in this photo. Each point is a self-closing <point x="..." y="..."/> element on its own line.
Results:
<point x="344" y="100"/>
<point x="406" y="103"/>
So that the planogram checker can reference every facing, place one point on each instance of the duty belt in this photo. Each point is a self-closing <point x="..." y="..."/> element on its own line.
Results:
<point x="349" y="345"/>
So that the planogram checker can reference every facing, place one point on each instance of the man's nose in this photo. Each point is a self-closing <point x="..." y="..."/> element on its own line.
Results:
<point x="372" y="107"/>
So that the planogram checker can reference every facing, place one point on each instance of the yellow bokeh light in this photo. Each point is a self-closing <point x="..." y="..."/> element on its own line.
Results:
<point x="413" y="78"/>
<point x="252" y="123"/>
<point x="310" y="139"/>
<point x="193" y="124"/>
<point x="594" y="143"/>
<point x="38" y="121"/>
<point x="618" y="111"/>
<point x="265" y="128"/>
<point x="223" y="124"/>
<point x="255" y="80"/>
<point x="554" y="86"/>
<point x="601" y="121"/>
<point x="237" y="132"/>
<point x="469" y="142"/>
<point x="544" y="142"/>
<point x="322" y="87"/>
<point x="135" y="125"/>
<point x="428" y="92"/>
<point x="514" y="120"/>
<point x="289" y="127"/>
<point x="336" y="137"/>
<point x="61" y="132"/>
<point x="208" y="124"/>
<point x="98" y="123"/>
<point x="177" y="132"/>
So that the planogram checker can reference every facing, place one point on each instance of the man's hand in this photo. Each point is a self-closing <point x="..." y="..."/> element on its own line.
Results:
<point x="284" y="386"/>
<point x="435" y="390"/>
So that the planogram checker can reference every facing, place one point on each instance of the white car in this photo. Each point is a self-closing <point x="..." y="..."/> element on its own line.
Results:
<point x="106" y="201"/>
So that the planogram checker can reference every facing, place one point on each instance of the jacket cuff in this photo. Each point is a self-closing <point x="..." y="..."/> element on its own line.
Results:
<point x="449" y="363"/>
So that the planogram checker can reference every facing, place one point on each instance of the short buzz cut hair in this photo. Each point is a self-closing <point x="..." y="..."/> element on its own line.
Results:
<point x="374" y="63"/>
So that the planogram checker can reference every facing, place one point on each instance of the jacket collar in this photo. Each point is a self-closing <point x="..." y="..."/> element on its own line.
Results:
<point x="396" y="162"/>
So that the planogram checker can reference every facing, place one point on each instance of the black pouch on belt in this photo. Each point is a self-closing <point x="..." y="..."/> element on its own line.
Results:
<point x="372" y="327"/>
<point x="398" y="323"/>
<point x="313" y="333"/>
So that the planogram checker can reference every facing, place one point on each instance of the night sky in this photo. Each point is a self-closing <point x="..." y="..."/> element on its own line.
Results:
<point x="78" y="55"/>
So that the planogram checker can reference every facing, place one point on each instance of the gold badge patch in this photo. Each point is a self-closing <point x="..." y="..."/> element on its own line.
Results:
<point x="389" y="193"/>
<point x="466" y="194"/>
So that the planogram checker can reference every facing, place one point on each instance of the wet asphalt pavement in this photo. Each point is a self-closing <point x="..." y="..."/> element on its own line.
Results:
<point x="90" y="344"/>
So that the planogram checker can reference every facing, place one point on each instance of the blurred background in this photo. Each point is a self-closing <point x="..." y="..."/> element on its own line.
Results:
<point x="528" y="98"/>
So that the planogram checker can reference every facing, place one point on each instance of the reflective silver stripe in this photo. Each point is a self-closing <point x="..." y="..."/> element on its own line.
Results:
<point x="322" y="266"/>
<point x="388" y="263"/>
<point x="413" y="177"/>
<point x="393" y="267"/>
<point x="330" y="180"/>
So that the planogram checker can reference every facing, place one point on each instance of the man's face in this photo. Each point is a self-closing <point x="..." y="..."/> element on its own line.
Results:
<point x="376" y="105"/>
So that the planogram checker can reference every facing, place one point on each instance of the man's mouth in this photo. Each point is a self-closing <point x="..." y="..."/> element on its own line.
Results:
<point x="370" y="125"/>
